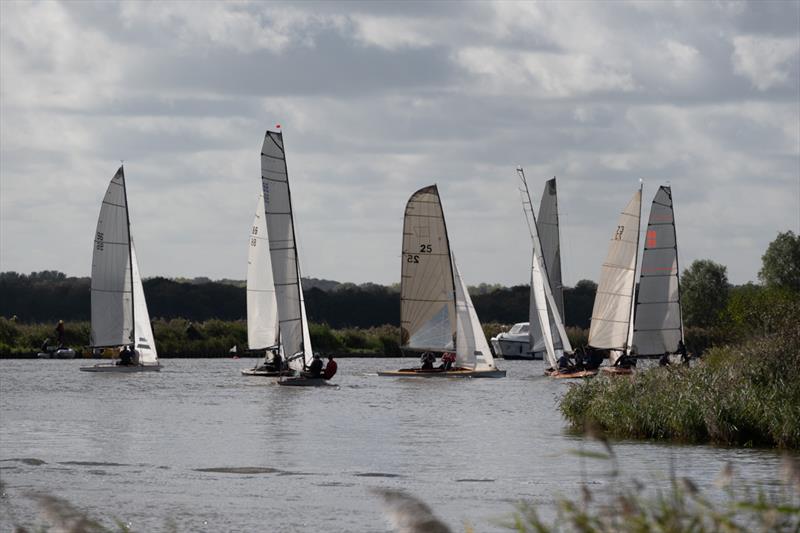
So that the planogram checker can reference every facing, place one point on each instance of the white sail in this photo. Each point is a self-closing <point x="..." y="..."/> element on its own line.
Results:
<point x="112" y="309"/>
<point x="427" y="303"/>
<point x="472" y="350"/>
<point x="262" y="307"/>
<point x="282" y="245"/>
<point x="308" y="354"/>
<point x="658" y="325"/>
<point x="613" y="305"/>
<point x="145" y="344"/>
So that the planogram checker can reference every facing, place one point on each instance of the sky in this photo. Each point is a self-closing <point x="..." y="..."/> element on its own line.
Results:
<point x="379" y="99"/>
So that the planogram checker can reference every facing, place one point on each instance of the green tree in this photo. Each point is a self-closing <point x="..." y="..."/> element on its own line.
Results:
<point x="704" y="291"/>
<point x="780" y="264"/>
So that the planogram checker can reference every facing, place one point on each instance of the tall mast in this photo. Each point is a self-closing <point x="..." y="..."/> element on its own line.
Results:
<point x="558" y="240"/>
<point x="449" y="253"/>
<point x="635" y="266"/>
<point x="130" y="254"/>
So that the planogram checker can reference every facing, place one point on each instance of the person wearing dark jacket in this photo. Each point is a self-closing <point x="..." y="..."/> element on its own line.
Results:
<point x="315" y="368"/>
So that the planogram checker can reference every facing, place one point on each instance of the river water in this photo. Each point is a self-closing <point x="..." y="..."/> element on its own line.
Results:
<point x="198" y="447"/>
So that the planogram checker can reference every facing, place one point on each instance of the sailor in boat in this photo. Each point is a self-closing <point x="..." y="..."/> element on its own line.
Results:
<point x="448" y="358"/>
<point x="330" y="369"/>
<point x="592" y="358"/>
<point x="126" y="357"/>
<point x="315" y="368"/>
<point x="565" y="365"/>
<point x="275" y="364"/>
<point x="627" y="360"/>
<point x="682" y="352"/>
<point x="427" y="361"/>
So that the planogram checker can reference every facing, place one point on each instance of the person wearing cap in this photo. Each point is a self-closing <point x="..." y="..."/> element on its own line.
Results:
<point x="330" y="368"/>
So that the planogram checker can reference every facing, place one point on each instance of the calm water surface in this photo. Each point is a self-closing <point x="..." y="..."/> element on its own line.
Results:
<point x="199" y="447"/>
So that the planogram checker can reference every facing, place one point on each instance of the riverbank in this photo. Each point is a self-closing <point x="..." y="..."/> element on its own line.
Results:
<point x="746" y="395"/>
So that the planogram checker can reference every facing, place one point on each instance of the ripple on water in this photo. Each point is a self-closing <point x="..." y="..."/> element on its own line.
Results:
<point x="27" y="460"/>
<point x="240" y="470"/>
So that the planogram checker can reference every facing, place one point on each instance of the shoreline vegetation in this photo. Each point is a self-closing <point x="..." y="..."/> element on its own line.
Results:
<point x="744" y="393"/>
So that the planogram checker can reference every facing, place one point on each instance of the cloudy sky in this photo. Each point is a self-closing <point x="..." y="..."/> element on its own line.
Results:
<point x="379" y="99"/>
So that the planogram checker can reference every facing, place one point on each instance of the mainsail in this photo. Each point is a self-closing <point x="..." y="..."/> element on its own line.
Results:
<point x="612" y="326"/>
<point x="427" y="286"/>
<point x="283" y="245"/>
<point x="472" y="350"/>
<point x="262" y="307"/>
<point x="145" y="344"/>
<point x="547" y="226"/>
<point x="659" y="325"/>
<point x="112" y="305"/>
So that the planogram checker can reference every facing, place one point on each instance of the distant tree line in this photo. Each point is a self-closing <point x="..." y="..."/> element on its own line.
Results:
<point x="49" y="296"/>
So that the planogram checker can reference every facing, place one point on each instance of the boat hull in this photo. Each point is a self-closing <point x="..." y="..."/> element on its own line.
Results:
<point x="616" y="371"/>
<point x="305" y="382"/>
<point x="67" y="353"/>
<point x="436" y="373"/>
<point x="514" y="349"/>
<point x="121" y="369"/>
<point x="580" y="374"/>
<point x="266" y="373"/>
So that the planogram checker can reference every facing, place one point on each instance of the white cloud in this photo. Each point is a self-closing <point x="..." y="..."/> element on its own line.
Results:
<point x="392" y="33"/>
<point x="765" y="61"/>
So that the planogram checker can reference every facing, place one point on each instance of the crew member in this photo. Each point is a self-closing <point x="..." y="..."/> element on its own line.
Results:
<point x="330" y="368"/>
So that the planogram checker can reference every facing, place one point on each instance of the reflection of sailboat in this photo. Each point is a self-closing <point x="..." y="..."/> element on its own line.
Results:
<point x="119" y="310"/>
<point x="436" y="311"/>
<point x="262" y="307"/>
<point x="544" y="310"/>
<point x="657" y="321"/>
<point x="612" y="315"/>
<point x="294" y="337"/>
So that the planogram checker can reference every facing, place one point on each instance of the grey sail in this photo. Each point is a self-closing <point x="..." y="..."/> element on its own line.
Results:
<point x="282" y="243"/>
<point x="658" y="326"/>
<point x="427" y="287"/>
<point x="547" y="225"/>
<point x="111" y="286"/>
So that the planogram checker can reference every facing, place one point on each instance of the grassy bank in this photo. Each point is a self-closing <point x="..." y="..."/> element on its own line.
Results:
<point x="746" y="395"/>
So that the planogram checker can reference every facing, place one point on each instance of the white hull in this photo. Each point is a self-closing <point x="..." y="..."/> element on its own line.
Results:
<point x="266" y="373"/>
<point x="121" y="369"/>
<point x="514" y="349"/>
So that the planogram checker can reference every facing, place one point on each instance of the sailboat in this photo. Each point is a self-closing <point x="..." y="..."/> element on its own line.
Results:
<point x="293" y="333"/>
<point x="262" y="306"/>
<point x="658" y="322"/>
<point x="611" y="328"/>
<point x="436" y="311"/>
<point x="119" y="310"/>
<point x="544" y="310"/>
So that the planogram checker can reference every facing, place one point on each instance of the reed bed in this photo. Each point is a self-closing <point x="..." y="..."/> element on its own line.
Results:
<point x="736" y="395"/>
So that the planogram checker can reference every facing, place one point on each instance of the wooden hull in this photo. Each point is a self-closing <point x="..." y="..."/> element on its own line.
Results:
<point x="580" y="374"/>
<point x="436" y="373"/>
<point x="121" y="369"/>
<point x="305" y="382"/>
<point x="266" y="373"/>
<point x="616" y="371"/>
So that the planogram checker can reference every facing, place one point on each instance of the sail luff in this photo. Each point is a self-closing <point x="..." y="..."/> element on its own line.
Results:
<point x="629" y="341"/>
<point x="130" y="255"/>
<point x="472" y="349"/>
<point x="144" y="340"/>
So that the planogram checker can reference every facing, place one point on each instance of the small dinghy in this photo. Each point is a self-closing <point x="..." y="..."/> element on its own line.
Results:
<point x="119" y="310"/>
<point x="436" y="311"/>
<point x="267" y="373"/>
<point x="60" y="353"/>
